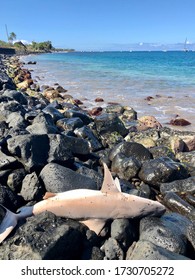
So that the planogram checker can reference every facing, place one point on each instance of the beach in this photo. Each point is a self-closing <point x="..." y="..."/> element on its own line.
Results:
<point x="153" y="83"/>
<point x="55" y="142"/>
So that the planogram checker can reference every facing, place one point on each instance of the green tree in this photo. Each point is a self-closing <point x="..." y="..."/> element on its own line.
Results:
<point x="12" y="37"/>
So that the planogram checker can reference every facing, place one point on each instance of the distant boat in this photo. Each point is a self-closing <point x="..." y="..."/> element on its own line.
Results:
<point x="185" y="45"/>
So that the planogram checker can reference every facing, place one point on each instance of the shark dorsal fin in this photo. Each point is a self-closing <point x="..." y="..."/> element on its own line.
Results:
<point x="117" y="183"/>
<point x="109" y="185"/>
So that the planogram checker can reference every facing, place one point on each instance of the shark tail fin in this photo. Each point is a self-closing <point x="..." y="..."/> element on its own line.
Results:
<point x="7" y="223"/>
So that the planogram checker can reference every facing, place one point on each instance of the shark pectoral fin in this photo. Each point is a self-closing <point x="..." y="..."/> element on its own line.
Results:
<point x="48" y="195"/>
<point x="109" y="184"/>
<point x="95" y="225"/>
<point x="7" y="225"/>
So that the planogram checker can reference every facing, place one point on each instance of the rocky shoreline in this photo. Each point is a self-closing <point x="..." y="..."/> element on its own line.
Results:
<point x="50" y="142"/>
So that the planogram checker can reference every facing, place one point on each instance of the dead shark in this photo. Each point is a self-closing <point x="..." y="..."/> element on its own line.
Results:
<point x="93" y="208"/>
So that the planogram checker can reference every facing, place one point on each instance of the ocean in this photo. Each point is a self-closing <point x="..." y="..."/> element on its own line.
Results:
<point x="128" y="78"/>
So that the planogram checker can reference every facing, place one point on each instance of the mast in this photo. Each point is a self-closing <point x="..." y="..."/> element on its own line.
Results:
<point x="185" y="45"/>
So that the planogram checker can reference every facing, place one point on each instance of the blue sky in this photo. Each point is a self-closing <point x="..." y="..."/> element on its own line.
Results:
<point x="99" y="24"/>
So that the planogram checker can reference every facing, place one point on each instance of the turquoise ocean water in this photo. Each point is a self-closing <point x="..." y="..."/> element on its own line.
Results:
<point x="127" y="78"/>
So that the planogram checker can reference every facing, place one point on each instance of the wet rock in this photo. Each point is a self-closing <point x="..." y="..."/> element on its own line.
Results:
<point x="99" y="99"/>
<point x="145" y="190"/>
<point x="60" y="148"/>
<point x="107" y="123"/>
<point x="78" y="102"/>
<point x="124" y="232"/>
<point x="6" y="108"/>
<point x="179" y="186"/>
<point x="137" y="136"/>
<point x="43" y="118"/>
<point x="43" y="237"/>
<point x="41" y="128"/>
<point x="16" y="120"/>
<point x="147" y="142"/>
<point x="112" y="250"/>
<point x="125" y="167"/>
<point x="50" y="93"/>
<point x="162" y="151"/>
<point x="94" y="175"/>
<point x="175" y="203"/>
<point x="96" y="111"/>
<point x="56" y="115"/>
<point x="4" y="176"/>
<point x="60" y="89"/>
<point x="146" y="250"/>
<point x="114" y="108"/>
<point x="25" y="84"/>
<point x="165" y="232"/>
<point x="191" y="234"/>
<point x="177" y="144"/>
<point x="131" y="149"/>
<point x="9" y="199"/>
<point x="16" y="95"/>
<point x="161" y="170"/>
<point x="188" y="137"/>
<point x="179" y="122"/>
<point x="31" y="188"/>
<point x="6" y="82"/>
<point x="42" y="124"/>
<point x="86" y="133"/>
<point x="6" y="161"/>
<point x="187" y="158"/>
<point x="189" y="141"/>
<point x="76" y="145"/>
<point x="190" y="199"/>
<point x="15" y="179"/>
<point x="57" y="178"/>
<point x="111" y="139"/>
<point x="31" y="62"/>
<point x="30" y="150"/>
<point x="147" y="122"/>
<point x="129" y="114"/>
<point x="77" y="114"/>
<point x="69" y="123"/>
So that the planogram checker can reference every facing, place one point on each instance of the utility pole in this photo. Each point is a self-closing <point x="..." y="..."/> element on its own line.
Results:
<point x="7" y="33"/>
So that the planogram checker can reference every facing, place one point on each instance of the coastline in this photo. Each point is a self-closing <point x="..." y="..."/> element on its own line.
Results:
<point x="148" y="93"/>
<point x="46" y="133"/>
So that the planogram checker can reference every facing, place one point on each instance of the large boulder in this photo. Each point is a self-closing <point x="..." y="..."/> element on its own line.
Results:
<point x="58" y="178"/>
<point x="179" y="186"/>
<point x="30" y="150"/>
<point x="108" y="123"/>
<point x="146" y="250"/>
<point x="43" y="237"/>
<point x="131" y="149"/>
<point x="168" y="231"/>
<point x="162" y="170"/>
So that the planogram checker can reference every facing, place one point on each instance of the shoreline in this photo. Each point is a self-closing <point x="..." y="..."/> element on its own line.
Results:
<point x="49" y="142"/>
<point x="157" y="102"/>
